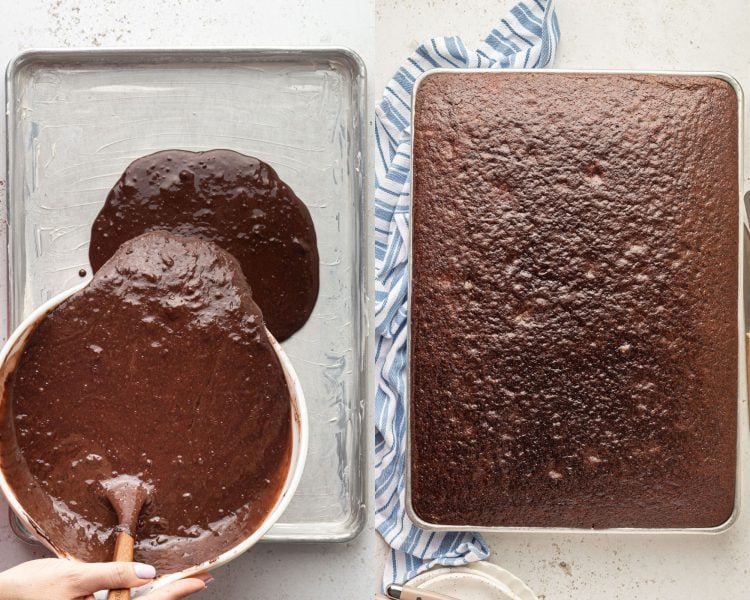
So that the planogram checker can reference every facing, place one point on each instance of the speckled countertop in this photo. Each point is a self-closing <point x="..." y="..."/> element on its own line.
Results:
<point x="270" y="570"/>
<point x="631" y="34"/>
<point x="710" y="35"/>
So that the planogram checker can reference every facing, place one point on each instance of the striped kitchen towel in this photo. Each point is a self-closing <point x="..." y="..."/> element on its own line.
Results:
<point x="525" y="38"/>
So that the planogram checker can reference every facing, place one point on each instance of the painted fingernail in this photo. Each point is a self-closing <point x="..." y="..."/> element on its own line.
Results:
<point x="144" y="571"/>
<point x="209" y="580"/>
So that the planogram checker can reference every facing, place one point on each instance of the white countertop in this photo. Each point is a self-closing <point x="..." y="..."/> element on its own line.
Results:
<point x="708" y="35"/>
<point x="269" y="570"/>
<point x="629" y="34"/>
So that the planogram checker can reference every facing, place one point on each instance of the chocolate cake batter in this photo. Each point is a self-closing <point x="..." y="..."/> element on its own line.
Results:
<point x="160" y="370"/>
<point x="574" y="301"/>
<point x="237" y="201"/>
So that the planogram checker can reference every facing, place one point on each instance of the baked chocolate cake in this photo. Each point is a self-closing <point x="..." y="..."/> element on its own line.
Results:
<point x="574" y="300"/>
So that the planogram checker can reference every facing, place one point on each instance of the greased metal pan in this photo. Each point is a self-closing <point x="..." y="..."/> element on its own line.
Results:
<point x="77" y="118"/>
<point x="743" y="271"/>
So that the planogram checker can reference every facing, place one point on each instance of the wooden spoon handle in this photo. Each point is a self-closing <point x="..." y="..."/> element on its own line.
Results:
<point x="123" y="552"/>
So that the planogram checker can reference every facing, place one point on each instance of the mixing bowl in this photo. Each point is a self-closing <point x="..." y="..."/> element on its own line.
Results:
<point x="9" y="357"/>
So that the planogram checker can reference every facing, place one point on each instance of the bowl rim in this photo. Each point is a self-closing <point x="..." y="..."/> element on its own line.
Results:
<point x="300" y="443"/>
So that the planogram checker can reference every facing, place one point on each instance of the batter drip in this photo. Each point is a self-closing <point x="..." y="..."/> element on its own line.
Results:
<point x="237" y="201"/>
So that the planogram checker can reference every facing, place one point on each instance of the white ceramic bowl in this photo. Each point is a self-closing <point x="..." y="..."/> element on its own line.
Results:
<point x="477" y="581"/>
<point x="9" y="357"/>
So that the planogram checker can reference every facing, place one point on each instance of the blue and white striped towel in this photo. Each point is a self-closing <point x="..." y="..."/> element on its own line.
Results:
<point x="525" y="38"/>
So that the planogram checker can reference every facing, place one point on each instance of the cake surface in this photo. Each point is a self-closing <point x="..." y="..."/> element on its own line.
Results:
<point x="574" y="300"/>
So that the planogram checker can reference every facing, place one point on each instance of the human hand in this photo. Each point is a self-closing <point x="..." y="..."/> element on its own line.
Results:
<point x="59" y="579"/>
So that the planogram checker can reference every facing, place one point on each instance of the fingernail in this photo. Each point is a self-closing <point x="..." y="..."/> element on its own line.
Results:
<point x="209" y="580"/>
<point x="144" y="571"/>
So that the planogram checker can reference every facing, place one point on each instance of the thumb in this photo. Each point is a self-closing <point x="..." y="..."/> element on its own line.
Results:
<point x="91" y="577"/>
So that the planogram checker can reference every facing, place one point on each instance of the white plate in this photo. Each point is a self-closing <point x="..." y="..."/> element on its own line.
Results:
<point x="477" y="581"/>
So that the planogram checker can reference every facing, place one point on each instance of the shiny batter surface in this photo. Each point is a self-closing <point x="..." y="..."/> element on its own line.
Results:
<point x="237" y="201"/>
<point x="160" y="369"/>
<point x="574" y="304"/>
